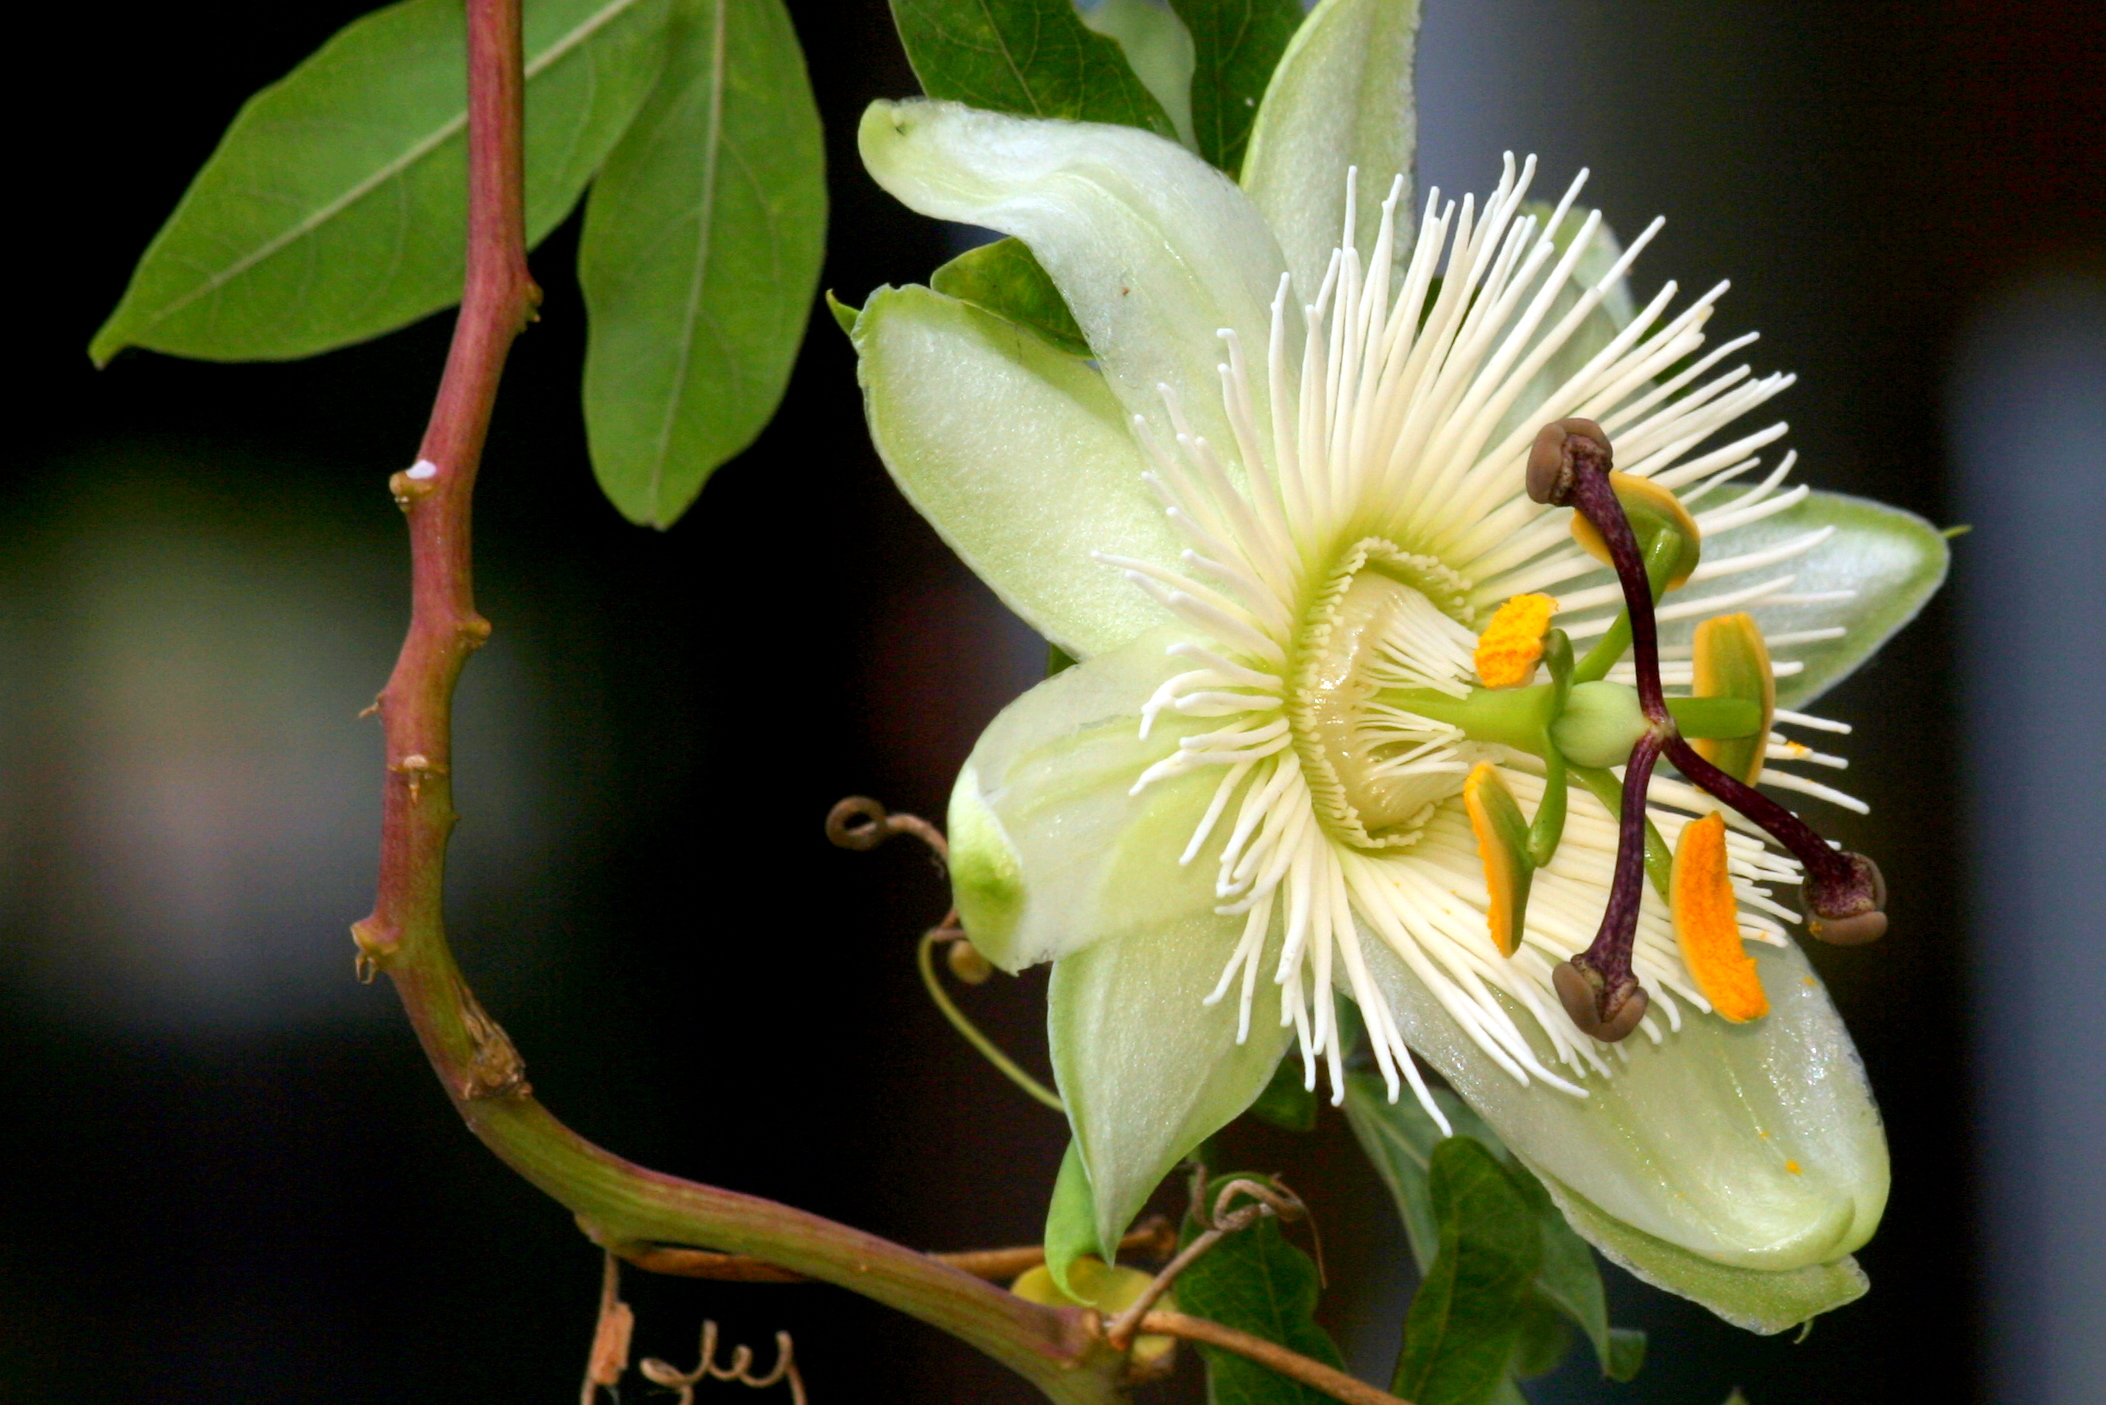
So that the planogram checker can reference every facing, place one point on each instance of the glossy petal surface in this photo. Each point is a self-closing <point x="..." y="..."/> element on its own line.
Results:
<point x="1020" y="457"/>
<point x="1753" y="1146"/>
<point x="1753" y="1299"/>
<point x="1154" y="250"/>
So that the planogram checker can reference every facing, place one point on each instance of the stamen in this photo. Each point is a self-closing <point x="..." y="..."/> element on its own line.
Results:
<point x="1844" y="891"/>
<point x="1707" y="923"/>
<point x="1730" y="660"/>
<point x="1502" y="846"/>
<point x="1571" y="464"/>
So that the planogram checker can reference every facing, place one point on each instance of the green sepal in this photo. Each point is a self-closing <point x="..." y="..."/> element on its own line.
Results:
<point x="1035" y="58"/>
<point x="1071" y="1220"/>
<point x="1757" y="1300"/>
<point x="1003" y="278"/>
<point x="1255" y="1280"/>
<point x="845" y="315"/>
<point x="1466" y="1319"/>
<point x="1158" y="47"/>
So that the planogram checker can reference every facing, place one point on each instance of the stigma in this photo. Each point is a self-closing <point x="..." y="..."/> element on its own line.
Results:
<point x="1572" y="465"/>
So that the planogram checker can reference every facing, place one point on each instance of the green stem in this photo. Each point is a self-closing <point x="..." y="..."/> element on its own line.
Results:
<point x="1661" y="554"/>
<point x="924" y="956"/>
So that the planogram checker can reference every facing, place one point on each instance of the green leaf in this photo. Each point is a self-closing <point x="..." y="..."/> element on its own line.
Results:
<point x="1256" y="1281"/>
<point x="1236" y="44"/>
<point x="1035" y="58"/>
<point x="335" y="207"/>
<point x="1626" y="1353"/>
<point x="700" y="255"/>
<point x="1543" y="1340"/>
<point x="1399" y="1138"/>
<point x="1465" y="1321"/>
<point x="1071" y="1219"/>
<point x="1004" y="278"/>
<point x="1286" y="1103"/>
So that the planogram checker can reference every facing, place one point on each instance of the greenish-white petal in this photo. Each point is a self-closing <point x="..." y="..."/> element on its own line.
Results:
<point x="1146" y="1068"/>
<point x="1890" y="560"/>
<point x="1020" y="457"/>
<point x="1050" y="849"/>
<point x="1154" y="250"/>
<point x="1341" y="96"/>
<point x="1753" y="1146"/>
<point x="1159" y="47"/>
<point x="1751" y="1299"/>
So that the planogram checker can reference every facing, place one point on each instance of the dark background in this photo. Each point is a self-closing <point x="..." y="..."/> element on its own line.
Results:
<point x="227" y="1173"/>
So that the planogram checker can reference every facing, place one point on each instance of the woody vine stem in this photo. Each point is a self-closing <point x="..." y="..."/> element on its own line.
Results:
<point x="632" y="1211"/>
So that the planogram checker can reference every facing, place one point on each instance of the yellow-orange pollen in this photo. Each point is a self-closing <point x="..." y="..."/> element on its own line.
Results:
<point x="1512" y="644"/>
<point x="1707" y="923"/>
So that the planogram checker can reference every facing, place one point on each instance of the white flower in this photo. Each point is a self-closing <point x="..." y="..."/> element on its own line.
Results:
<point x="1272" y="514"/>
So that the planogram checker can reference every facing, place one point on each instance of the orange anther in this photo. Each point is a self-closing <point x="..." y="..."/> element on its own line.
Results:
<point x="1707" y="923"/>
<point x="1502" y="843"/>
<point x="1512" y="644"/>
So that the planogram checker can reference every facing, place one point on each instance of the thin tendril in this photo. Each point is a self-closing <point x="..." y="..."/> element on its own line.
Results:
<point x="924" y="958"/>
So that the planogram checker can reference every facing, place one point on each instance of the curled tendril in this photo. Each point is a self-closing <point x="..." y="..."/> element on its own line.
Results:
<point x="664" y="1373"/>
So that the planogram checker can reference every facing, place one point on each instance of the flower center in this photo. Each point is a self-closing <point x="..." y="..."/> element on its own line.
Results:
<point x="1384" y="619"/>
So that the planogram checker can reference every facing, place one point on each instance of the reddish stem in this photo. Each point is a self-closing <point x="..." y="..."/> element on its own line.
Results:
<point x="624" y="1206"/>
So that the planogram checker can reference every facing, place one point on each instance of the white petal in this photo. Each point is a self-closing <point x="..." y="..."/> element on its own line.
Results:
<point x="1146" y="1067"/>
<point x="1155" y="251"/>
<point x="1754" y="1146"/>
